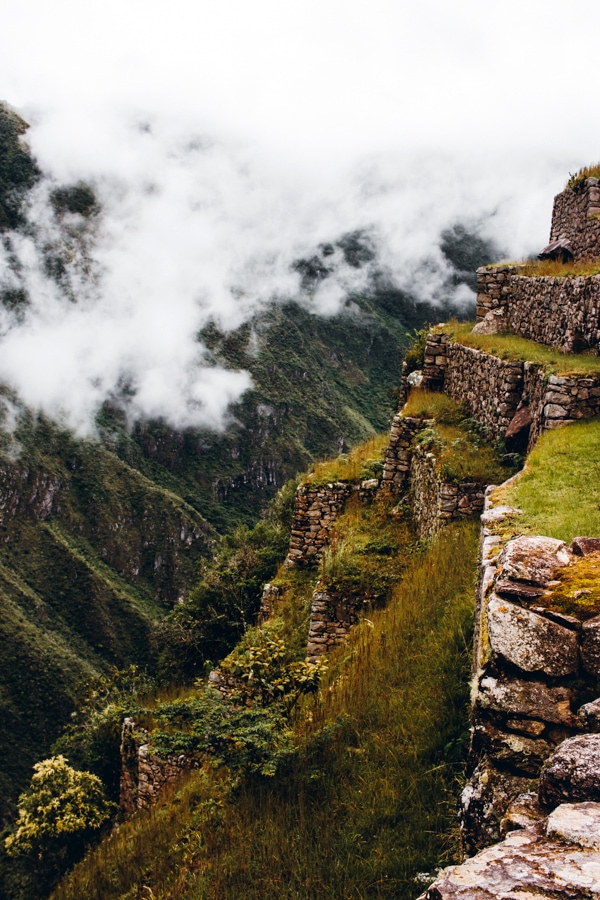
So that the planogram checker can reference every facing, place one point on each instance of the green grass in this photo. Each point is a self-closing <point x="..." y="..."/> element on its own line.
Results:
<point x="559" y="488"/>
<point x="364" y="461"/>
<point x="511" y="346"/>
<point x="551" y="268"/>
<point x="461" y="452"/>
<point x="369" y="799"/>
<point x="423" y="404"/>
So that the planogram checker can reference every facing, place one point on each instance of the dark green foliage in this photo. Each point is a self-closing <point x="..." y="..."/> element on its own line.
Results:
<point x="226" y="600"/>
<point x="83" y="575"/>
<point x="76" y="198"/>
<point x="245" y="738"/>
<point x="18" y="170"/>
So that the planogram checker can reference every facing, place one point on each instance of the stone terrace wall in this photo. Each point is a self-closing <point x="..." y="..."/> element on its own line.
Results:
<point x="490" y="387"/>
<point x="434" y="501"/>
<point x="532" y="666"/>
<point x="144" y="774"/>
<point x="332" y="615"/>
<point x="494" y="389"/>
<point x="316" y="507"/>
<point x="396" y="469"/>
<point x="573" y="217"/>
<point x="560" y="312"/>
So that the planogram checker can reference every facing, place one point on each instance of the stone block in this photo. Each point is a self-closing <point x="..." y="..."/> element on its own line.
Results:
<point x="590" y="646"/>
<point x="572" y="773"/>
<point x="534" y="559"/>
<point x="530" y="641"/>
<point x="528" y="699"/>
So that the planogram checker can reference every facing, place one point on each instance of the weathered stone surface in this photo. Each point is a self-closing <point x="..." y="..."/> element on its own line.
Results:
<point x="572" y="772"/>
<point x="525" y="866"/>
<point x="518" y="590"/>
<point x="523" y="812"/>
<point x="590" y="646"/>
<point x="523" y="754"/>
<point x="534" y="559"/>
<point x="484" y="801"/>
<point x="498" y="514"/>
<point x="517" y="433"/>
<point x="583" y="546"/>
<point x="589" y="716"/>
<point x="530" y="641"/>
<point x="493" y="322"/>
<point x="576" y="823"/>
<point x="533" y="699"/>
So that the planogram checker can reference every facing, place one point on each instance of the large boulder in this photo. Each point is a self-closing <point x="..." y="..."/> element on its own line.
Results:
<point x="572" y="772"/>
<point x="530" y="641"/>
<point x="534" y="559"/>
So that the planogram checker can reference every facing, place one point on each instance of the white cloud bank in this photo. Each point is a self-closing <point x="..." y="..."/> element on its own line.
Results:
<point x="225" y="140"/>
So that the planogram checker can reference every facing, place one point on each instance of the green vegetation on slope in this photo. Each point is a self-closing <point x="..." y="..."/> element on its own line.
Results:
<point x="18" y="171"/>
<point x="559" y="488"/>
<point x="367" y="800"/>
<point x="91" y="554"/>
<point x="457" y="441"/>
<point x="511" y="346"/>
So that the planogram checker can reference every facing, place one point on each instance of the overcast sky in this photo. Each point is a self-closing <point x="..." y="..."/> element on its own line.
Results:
<point x="227" y="137"/>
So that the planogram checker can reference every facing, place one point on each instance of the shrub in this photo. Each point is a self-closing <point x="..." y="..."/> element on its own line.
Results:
<point x="61" y="804"/>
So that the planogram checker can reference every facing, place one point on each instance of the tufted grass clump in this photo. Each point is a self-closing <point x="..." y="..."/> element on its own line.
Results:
<point x="559" y="488"/>
<point x="591" y="171"/>
<point x="511" y="346"/>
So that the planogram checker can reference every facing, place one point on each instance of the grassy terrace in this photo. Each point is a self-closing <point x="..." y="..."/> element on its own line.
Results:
<point x="364" y="461"/>
<point x="367" y="800"/>
<point x="511" y="346"/>
<point x="559" y="488"/>
<point x="550" y="268"/>
<point x="462" y="454"/>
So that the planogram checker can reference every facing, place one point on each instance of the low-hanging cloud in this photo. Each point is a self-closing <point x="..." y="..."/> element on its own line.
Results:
<point x="195" y="228"/>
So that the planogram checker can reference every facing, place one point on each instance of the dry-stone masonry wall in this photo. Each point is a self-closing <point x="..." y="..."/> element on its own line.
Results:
<point x="574" y="216"/>
<point x="396" y="469"/>
<point x="533" y="666"/>
<point x="494" y="389"/>
<point x="560" y="312"/>
<point x="332" y="615"/>
<point x="435" y="502"/>
<point x="316" y="507"/>
<point x="144" y="774"/>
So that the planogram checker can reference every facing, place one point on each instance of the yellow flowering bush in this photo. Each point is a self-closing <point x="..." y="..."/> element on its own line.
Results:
<point x="60" y="803"/>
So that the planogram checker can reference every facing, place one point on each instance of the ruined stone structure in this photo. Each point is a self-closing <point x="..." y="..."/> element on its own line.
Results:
<point x="435" y="501"/>
<point x="575" y="217"/>
<point x="494" y="389"/>
<point x="316" y="508"/>
<point x="396" y="469"/>
<point x="145" y="774"/>
<point x="332" y="615"/>
<point x="561" y="312"/>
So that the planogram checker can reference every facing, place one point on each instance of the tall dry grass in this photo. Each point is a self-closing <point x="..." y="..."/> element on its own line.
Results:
<point x="369" y="798"/>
